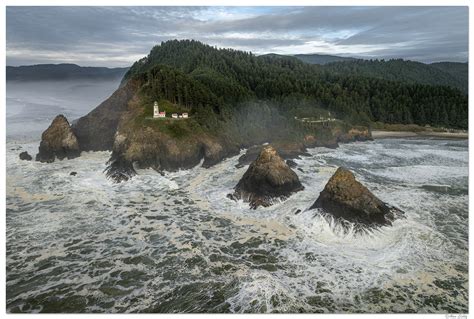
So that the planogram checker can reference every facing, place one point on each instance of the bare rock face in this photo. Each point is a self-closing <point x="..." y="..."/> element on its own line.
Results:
<point x="267" y="178"/>
<point x="344" y="197"/>
<point x="356" y="133"/>
<point x="96" y="130"/>
<point x="58" y="141"/>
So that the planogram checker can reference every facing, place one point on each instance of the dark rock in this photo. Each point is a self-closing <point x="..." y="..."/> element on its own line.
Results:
<point x="291" y="163"/>
<point x="73" y="173"/>
<point x="344" y="197"/>
<point x="58" y="141"/>
<point x="119" y="169"/>
<point x="215" y="151"/>
<point x="25" y="156"/>
<point x="267" y="178"/>
<point x="298" y="211"/>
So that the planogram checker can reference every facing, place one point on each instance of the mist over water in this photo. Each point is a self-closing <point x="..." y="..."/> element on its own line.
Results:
<point x="175" y="243"/>
<point x="31" y="106"/>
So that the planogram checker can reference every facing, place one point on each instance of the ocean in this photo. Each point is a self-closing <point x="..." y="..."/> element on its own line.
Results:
<point x="176" y="243"/>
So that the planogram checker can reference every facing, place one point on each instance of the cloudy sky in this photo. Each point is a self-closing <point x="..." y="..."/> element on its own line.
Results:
<point x="117" y="36"/>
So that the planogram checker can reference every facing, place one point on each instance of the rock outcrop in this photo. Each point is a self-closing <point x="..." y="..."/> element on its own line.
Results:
<point x="58" y="141"/>
<point x="356" y="133"/>
<point x="24" y="156"/>
<point x="148" y="148"/>
<point x="344" y="197"/>
<point x="266" y="179"/>
<point x="286" y="151"/>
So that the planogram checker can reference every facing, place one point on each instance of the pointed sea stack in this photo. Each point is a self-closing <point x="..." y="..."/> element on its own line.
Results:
<point x="267" y="178"/>
<point x="58" y="141"/>
<point x="344" y="197"/>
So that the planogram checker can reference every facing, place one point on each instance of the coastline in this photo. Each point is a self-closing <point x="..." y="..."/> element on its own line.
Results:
<point x="378" y="134"/>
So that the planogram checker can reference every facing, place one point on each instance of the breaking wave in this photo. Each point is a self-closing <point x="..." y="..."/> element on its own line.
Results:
<point x="176" y="243"/>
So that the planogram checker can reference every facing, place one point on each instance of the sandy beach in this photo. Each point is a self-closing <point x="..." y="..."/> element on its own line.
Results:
<point x="400" y="134"/>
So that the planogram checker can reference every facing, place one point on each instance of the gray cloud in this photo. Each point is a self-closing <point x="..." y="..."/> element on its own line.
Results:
<point x="117" y="36"/>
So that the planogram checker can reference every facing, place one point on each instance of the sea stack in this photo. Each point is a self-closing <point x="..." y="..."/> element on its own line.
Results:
<point x="58" y="141"/>
<point x="24" y="156"/>
<point x="266" y="179"/>
<point x="344" y="197"/>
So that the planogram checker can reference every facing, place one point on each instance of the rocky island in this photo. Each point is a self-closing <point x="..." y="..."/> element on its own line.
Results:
<point x="267" y="178"/>
<point x="345" y="198"/>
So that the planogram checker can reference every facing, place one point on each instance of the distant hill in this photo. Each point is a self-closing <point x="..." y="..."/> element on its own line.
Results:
<point x="460" y="71"/>
<point x="44" y="72"/>
<point x="450" y="74"/>
<point x="321" y="58"/>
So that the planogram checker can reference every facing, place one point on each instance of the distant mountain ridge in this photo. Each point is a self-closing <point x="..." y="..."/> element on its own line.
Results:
<point x="322" y="58"/>
<point x="312" y="58"/>
<point x="45" y="72"/>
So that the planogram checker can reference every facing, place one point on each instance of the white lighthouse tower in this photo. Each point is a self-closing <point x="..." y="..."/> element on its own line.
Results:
<point x="156" y="110"/>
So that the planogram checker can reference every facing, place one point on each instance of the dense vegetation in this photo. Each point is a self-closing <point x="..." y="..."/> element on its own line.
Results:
<point x="445" y="73"/>
<point x="207" y="79"/>
<point x="459" y="71"/>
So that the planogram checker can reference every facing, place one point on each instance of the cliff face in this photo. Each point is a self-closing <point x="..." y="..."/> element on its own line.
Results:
<point x="163" y="144"/>
<point x="268" y="177"/>
<point x="96" y="130"/>
<point x="58" y="141"/>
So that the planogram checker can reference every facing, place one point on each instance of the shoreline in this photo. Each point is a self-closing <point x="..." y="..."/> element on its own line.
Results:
<point x="378" y="134"/>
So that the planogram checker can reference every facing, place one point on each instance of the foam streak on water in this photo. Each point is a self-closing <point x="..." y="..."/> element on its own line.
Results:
<point x="175" y="243"/>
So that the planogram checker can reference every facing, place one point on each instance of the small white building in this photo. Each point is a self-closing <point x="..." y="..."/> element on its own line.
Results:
<point x="174" y="115"/>
<point x="185" y="115"/>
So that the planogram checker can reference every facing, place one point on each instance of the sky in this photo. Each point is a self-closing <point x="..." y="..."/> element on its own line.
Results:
<point x="118" y="36"/>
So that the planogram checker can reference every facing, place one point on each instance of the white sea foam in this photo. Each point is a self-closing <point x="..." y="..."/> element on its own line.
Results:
<point x="176" y="241"/>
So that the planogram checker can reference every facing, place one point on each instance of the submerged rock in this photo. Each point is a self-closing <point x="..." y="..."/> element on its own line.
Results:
<point x="25" y="156"/>
<point x="58" y="141"/>
<point x="267" y="178"/>
<point x="344" y="197"/>
<point x="73" y="173"/>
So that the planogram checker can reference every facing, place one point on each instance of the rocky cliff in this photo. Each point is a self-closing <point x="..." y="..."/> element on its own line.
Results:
<point x="96" y="130"/>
